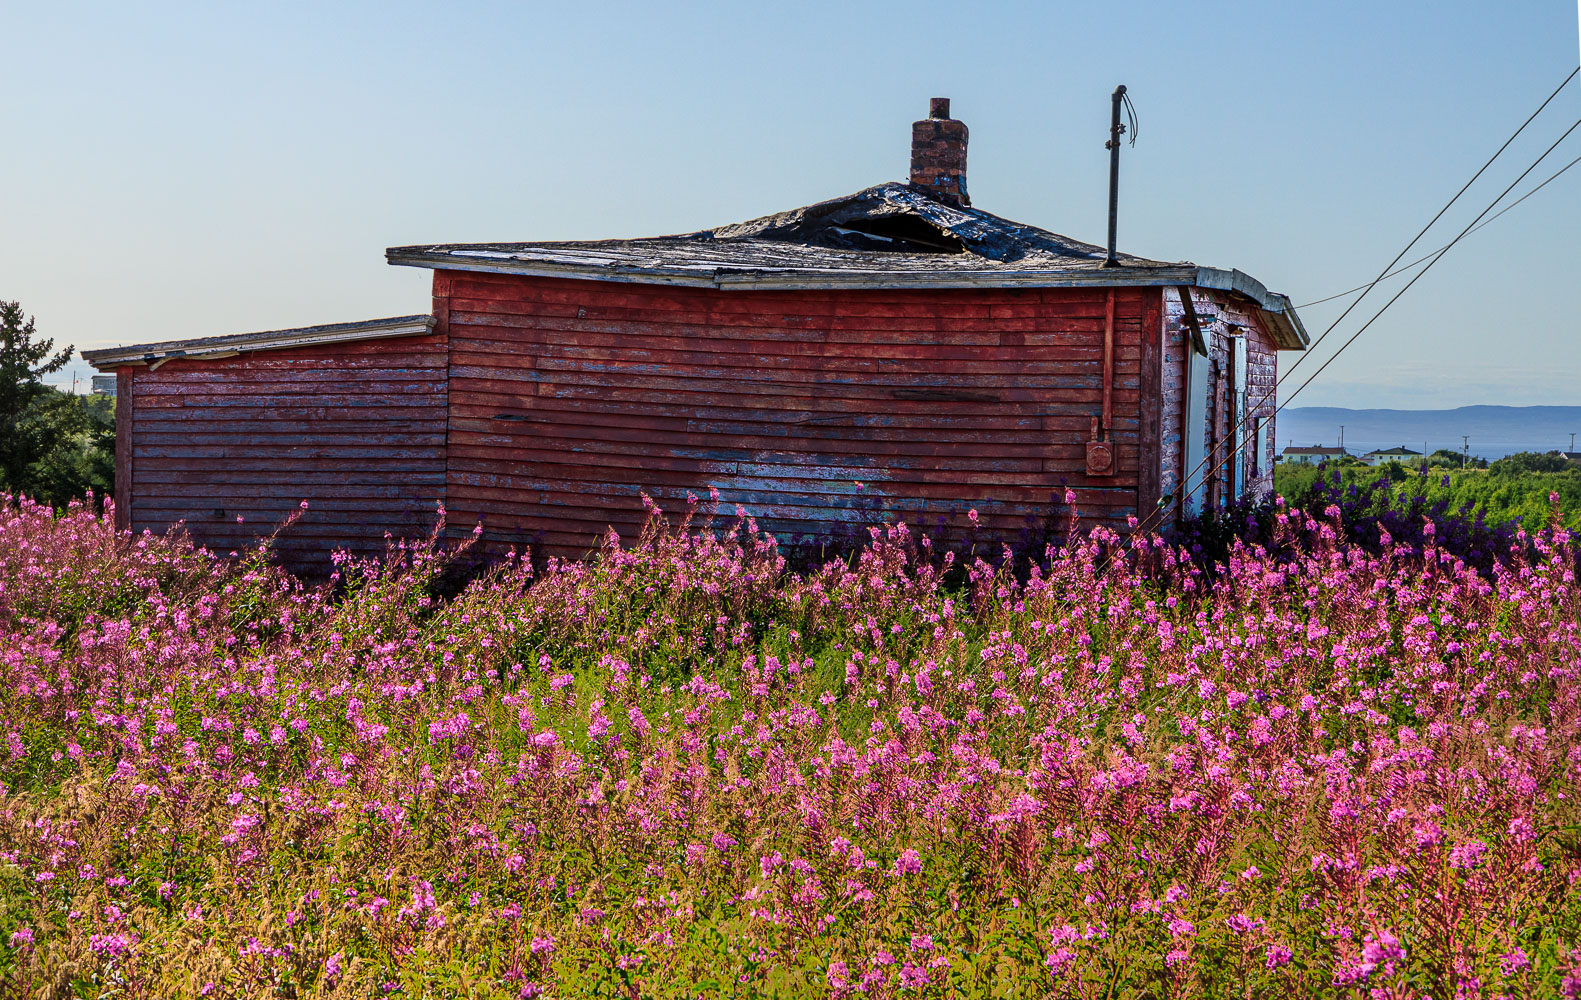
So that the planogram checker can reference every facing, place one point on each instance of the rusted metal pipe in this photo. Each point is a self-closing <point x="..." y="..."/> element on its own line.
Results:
<point x="1100" y="449"/>
<point x="1108" y="362"/>
<point x="1113" y="145"/>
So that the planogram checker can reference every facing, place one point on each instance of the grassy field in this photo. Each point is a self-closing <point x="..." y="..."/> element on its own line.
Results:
<point x="684" y="771"/>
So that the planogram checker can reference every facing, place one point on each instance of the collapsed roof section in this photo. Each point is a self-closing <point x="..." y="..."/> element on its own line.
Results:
<point x="888" y="236"/>
<point x="892" y="219"/>
<point x="892" y="233"/>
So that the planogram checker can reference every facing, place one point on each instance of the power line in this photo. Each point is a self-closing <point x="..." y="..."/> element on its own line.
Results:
<point x="1436" y="258"/>
<point x="1164" y="505"/>
<point x="1486" y="222"/>
<point x="1407" y="248"/>
<point x="1230" y="452"/>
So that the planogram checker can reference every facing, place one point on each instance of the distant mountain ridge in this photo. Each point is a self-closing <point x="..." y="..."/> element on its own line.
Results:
<point x="1494" y="431"/>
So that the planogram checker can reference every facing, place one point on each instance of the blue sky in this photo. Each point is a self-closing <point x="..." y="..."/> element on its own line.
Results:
<point x="192" y="170"/>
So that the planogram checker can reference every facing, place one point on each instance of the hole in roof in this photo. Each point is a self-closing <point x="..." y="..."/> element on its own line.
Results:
<point x="899" y="234"/>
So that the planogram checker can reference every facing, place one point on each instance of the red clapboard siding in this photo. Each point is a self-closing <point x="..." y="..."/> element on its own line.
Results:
<point x="570" y="399"/>
<point x="355" y="429"/>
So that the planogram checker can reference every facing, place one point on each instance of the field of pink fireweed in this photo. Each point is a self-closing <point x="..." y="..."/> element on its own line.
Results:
<point x="683" y="770"/>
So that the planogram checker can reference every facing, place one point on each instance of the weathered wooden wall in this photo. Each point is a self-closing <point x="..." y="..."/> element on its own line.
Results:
<point x="547" y="407"/>
<point x="356" y="429"/>
<point x="1262" y="376"/>
<point x="1262" y="371"/>
<point x="1172" y="394"/>
<point x="569" y="399"/>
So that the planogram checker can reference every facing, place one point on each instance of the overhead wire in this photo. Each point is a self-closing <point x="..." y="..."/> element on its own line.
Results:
<point x="1130" y="113"/>
<point x="1436" y="258"/>
<point x="1486" y="222"/>
<point x="1169" y="501"/>
<point x="1438" y="255"/>
<point x="1431" y="223"/>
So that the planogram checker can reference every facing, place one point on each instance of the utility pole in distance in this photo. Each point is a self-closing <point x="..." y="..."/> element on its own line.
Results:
<point x="1465" y="452"/>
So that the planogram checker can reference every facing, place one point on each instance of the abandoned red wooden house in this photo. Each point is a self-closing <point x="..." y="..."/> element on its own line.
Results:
<point x="893" y="354"/>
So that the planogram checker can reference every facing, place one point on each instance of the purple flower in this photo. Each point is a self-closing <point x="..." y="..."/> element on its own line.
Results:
<point x="112" y="945"/>
<point x="1059" y="960"/>
<point x="1240" y="923"/>
<point x="1467" y="855"/>
<point x="1383" y="951"/>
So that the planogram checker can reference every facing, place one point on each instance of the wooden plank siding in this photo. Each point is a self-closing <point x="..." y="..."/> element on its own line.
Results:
<point x="123" y="448"/>
<point x="568" y="399"/>
<point x="356" y="429"/>
<point x="1173" y="390"/>
<point x="547" y="407"/>
<point x="1262" y="372"/>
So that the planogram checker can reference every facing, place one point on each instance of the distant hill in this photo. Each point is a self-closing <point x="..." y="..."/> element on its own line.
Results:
<point x="1495" y="431"/>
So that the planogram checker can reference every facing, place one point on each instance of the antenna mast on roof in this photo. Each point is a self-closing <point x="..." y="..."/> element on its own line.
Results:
<point x="1113" y="146"/>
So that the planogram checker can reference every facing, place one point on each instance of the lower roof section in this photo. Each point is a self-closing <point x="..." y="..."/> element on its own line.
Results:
<point x="206" y="348"/>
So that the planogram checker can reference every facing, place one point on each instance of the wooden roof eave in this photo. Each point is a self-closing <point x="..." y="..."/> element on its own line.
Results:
<point x="795" y="279"/>
<point x="210" y="348"/>
<point x="1276" y="311"/>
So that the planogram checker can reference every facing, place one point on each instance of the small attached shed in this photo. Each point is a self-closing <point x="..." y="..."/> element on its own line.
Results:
<point x="893" y="354"/>
<point x="228" y="435"/>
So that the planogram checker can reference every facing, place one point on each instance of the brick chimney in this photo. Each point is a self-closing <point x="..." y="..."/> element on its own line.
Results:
<point x="938" y="154"/>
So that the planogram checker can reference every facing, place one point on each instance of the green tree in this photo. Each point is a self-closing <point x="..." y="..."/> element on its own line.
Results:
<point x="77" y="447"/>
<point x="54" y="445"/>
<point x="1530" y="461"/>
<point x="23" y="365"/>
<point x="1448" y="458"/>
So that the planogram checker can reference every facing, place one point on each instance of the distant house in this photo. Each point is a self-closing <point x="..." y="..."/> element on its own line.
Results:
<point x="1400" y="454"/>
<point x="1295" y="455"/>
<point x="1573" y="457"/>
<point x="892" y="354"/>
